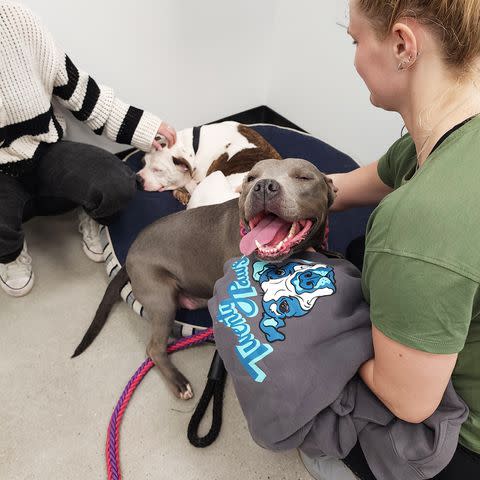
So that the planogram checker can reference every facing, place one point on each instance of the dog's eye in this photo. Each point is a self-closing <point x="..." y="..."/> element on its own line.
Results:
<point x="283" y="307"/>
<point x="251" y="178"/>
<point x="303" y="177"/>
<point x="176" y="161"/>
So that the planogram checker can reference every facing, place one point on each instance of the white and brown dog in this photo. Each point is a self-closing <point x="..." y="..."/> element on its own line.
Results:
<point x="227" y="147"/>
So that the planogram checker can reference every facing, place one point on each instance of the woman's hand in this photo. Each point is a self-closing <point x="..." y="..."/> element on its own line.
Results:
<point x="358" y="188"/>
<point x="168" y="132"/>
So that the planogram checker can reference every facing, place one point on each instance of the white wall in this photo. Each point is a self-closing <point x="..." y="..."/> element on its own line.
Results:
<point x="314" y="83"/>
<point x="193" y="61"/>
<point x="188" y="61"/>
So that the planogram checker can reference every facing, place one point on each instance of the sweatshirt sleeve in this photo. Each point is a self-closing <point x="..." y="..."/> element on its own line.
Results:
<point x="95" y="105"/>
<point x="100" y="109"/>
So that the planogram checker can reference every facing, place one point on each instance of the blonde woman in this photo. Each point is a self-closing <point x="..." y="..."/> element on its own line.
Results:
<point x="421" y="267"/>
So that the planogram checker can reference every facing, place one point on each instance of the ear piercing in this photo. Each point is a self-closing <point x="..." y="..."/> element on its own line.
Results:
<point x="404" y="64"/>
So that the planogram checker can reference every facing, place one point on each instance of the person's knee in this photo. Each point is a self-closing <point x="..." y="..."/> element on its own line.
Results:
<point x="112" y="193"/>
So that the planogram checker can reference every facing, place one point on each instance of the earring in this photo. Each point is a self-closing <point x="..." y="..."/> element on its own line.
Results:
<point x="404" y="63"/>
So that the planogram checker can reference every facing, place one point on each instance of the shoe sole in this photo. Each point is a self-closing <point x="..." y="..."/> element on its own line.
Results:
<point x="19" y="292"/>
<point x="94" y="256"/>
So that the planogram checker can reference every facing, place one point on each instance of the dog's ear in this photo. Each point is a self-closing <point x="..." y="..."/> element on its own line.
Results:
<point x="332" y="190"/>
<point x="182" y="164"/>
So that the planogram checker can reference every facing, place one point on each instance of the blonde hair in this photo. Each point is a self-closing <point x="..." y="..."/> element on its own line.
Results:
<point x="456" y="23"/>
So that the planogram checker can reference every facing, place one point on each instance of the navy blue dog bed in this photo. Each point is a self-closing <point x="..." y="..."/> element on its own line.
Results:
<point x="147" y="207"/>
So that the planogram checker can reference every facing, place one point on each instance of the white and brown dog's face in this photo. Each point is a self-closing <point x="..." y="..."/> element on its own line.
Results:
<point x="167" y="169"/>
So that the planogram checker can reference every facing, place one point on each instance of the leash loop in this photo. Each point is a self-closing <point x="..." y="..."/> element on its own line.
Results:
<point x="213" y="389"/>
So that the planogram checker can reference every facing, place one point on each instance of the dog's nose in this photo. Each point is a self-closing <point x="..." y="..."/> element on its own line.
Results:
<point x="267" y="187"/>
<point x="140" y="181"/>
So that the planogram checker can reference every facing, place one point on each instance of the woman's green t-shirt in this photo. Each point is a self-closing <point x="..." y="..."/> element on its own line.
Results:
<point x="422" y="258"/>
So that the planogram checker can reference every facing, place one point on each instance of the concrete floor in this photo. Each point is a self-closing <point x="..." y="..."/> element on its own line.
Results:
<point x="54" y="411"/>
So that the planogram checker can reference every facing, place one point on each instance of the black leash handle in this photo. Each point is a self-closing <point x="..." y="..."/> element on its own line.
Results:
<point x="214" y="388"/>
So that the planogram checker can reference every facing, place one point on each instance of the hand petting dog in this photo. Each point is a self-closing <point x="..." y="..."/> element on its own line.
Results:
<point x="168" y="132"/>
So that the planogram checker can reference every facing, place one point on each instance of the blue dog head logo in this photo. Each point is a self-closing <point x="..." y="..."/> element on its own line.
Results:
<point x="290" y="290"/>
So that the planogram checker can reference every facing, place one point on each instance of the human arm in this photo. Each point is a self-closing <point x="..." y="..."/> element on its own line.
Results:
<point x="409" y="382"/>
<point x="420" y="313"/>
<point x="360" y="187"/>
<point x="95" y="105"/>
<point x="99" y="108"/>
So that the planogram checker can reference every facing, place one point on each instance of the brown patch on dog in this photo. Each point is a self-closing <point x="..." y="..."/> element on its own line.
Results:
<point x="245" y="159"/>
<point x="219" y="164"/>
<point x="254" y="137"/>
<point x="182" y="195"/>
<point x="179" y="161"/>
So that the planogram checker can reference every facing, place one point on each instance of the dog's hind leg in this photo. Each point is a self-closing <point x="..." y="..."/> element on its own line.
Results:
<point x="157" y="351"/>
<point x="159" y="299"/>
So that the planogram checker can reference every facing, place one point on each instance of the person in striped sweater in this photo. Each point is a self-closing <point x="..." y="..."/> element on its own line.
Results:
<point x="40" y="173"/>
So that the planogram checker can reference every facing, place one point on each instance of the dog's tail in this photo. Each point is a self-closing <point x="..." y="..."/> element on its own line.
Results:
<point x="111" y="296"/>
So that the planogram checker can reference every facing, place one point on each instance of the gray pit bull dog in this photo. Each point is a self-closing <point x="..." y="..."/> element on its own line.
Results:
<point x="175" y="261"/>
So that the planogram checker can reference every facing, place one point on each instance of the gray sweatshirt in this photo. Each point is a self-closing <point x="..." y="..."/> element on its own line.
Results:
<point x="292" y="338"/>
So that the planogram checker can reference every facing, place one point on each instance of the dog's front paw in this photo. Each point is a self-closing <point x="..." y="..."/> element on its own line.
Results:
<point x="182" y="195"/>
<point x="187" y="394"/>
<point x="181" y="387"/>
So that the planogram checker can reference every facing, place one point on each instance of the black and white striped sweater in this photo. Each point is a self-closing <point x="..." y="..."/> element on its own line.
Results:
<point x="33" y="71"/>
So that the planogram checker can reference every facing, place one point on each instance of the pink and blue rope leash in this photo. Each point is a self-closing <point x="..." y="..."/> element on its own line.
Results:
<point x="113" y="434"/>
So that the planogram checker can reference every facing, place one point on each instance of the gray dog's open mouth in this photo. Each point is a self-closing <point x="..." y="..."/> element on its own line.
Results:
<point x="271" y="236"/>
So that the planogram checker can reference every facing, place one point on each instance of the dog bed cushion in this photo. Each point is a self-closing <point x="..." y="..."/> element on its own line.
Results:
<point x="146" y="207"/>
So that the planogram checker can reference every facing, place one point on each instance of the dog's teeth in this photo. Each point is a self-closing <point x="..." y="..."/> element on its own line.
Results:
<point x="293" y="230"/>
<point x="258" y="244"/>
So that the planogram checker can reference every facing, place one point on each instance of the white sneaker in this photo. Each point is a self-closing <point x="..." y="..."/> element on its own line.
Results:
<point x="16" y="277"/>
<point x="326" y="468"/>
<point x="90" y="231"/>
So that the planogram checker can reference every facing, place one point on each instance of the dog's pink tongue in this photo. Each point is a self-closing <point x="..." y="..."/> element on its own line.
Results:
<point x="264" y="232"/>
